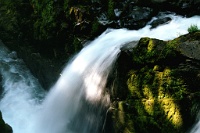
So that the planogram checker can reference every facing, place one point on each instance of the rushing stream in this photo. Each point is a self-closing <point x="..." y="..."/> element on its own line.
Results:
<point x="78" y="101"/>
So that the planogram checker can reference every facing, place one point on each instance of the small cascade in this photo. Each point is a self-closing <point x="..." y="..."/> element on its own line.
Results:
<point x="77" y="103"/>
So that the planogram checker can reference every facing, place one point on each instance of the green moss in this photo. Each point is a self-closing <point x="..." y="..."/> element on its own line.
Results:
<point x="145" y="53"/>
<point x="133" y="86"/>
<point x="144" y="41"/>
<point x="121" y="113"/>
<point x="151" y="45"/>
<point x="158" y="92"/>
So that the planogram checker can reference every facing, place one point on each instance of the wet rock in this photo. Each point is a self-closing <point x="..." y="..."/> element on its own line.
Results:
<point x="104" y="20"/>
<point x="184" y="7"/>
<point x="140" y="13"/>
<point x="136" y="17"/>
<point x="159" y="20"/>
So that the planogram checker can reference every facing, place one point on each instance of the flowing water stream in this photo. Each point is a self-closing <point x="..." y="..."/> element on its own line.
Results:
<point x="78" y="101"/>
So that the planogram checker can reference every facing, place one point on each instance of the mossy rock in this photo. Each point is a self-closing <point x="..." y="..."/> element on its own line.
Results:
<point x="162" y="90"/>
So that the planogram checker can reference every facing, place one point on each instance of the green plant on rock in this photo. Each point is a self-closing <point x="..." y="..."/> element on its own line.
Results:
<point x="193" y="28"/>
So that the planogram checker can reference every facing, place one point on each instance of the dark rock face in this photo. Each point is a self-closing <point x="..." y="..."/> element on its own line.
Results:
<point x="134" y="14"/>
<point x="159" y="89"/>
<point x="4" y="128"/>
<point x="127" y="15"/>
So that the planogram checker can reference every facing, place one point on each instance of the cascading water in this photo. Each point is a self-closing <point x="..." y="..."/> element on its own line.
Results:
<point x="78" y="98"/>
<point x="22" y="93"/>
<point x="77" y="102"/>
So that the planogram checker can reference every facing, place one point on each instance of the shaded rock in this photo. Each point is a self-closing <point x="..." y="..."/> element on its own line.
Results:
<point x="140" y="13"/>
<point x="45" y="70"/>
<point x="136" y="17"/>
<point x="189" y="45"/>
<point x="190" y="49"/>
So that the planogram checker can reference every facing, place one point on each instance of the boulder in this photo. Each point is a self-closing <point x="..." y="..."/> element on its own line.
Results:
<point x="190" y="47"/>
<point x="159" y="90"/>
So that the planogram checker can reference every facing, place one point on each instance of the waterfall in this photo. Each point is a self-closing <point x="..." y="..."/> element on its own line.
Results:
<point x="78" y="101"/>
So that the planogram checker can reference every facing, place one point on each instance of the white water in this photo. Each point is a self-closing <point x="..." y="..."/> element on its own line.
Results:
<point x="22" y="93"/>
<point x="76" y="103"/>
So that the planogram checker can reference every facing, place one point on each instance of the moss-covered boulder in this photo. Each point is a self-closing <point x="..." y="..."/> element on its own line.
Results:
<point x="161" y="89"/>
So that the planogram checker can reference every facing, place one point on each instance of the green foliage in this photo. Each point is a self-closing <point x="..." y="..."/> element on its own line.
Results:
<point x="45" y="19"/>
<point x="9" y="19"/>
<point x="193" y="28"/>
<point x="38" y="22"/>
<point x="111" y="9"/>
<point x="15" y="21"/>
<point x="36" y="19"/>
